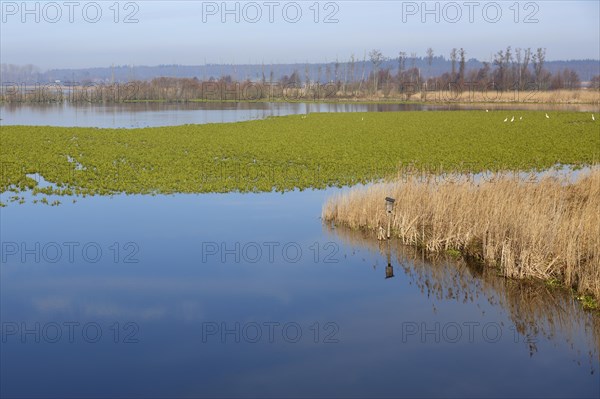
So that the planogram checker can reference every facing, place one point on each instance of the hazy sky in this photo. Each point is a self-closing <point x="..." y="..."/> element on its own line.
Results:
<point x="86" y="33"/>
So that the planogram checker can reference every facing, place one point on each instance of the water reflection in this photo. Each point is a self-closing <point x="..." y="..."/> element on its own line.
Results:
<point x="389" y="269"/>
<point x="536" y="310"/>
<point x="150" y="114"/>
<point x="173" y="293"/>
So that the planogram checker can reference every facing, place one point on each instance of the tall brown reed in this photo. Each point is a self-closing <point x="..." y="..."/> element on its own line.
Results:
<point x="547" y="229"/>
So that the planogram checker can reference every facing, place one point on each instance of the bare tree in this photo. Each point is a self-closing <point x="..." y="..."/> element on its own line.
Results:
<point x="352" y="62"/>
<point x="413" y="67"/>
<point x="401" y="64"/>
<point x="522" y="63"/>
<point x="362" y="78"/>
<point x="306" y="77"/>
<point x="524" y="71"/>
<point x="429" y="60"/>
<point x="595" y="82"/>
<point x="453" y="57"/>
<point x="538" y="64"/>
<point x="271" y="77"/>
<point x="376" y="58"/>
<point x="508" y="60"/>
<point x="499" y="75"/>
<point x="519" y="61"/>
<point x="461" y="66"/>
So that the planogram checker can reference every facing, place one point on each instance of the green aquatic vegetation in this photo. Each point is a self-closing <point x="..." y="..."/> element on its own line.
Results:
<point x="588" y="302"/>
<point x="287" y="153"/>
<point x="554" y="283"/>
<point x="455" y="253"/>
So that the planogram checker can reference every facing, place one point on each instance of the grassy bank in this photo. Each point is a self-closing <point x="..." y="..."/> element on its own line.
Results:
<point x="546" y="229"/>
<point x="292" y="152"/>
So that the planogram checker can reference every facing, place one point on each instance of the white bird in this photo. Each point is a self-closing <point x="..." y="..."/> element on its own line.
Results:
<point x="362" y="119"/>
<point x="487" y="110"/>
<point x="520" y="118"/>
<point x="593" y="117"/>
<point x="547" y="116"/>
<point x="513" y="119"/>
<point x="506" y="119"/>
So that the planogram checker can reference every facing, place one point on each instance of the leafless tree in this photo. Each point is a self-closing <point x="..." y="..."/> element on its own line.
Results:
<point x="453" y="57"/>
<point x="362" y="78"/>
<point x="461" y="66"/>
<point x="508" y="61"/>
<point x="429" y="60"/>
<point x="376" y="57"/>
<point x="352" y="65"/>
<point x="401" y="64"/>
<point x="522" y="58"/>
<point x="500" y="73"/>
<point x="538" y="65"/>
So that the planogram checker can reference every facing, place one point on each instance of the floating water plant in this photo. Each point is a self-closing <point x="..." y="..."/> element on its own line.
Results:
<point x="286" y="153"/>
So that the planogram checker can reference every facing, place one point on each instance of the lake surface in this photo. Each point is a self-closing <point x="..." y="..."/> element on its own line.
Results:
<point x="137" y="115"/>
<point x="250" y="295"/>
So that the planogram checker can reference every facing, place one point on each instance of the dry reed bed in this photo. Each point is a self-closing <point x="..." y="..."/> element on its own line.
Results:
<point x="547" y="229"/>
<point x="585" y="96"/>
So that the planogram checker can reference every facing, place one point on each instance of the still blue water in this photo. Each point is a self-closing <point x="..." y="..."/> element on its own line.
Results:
<point x="137" y="115"/>
<point x="250" y="295"/>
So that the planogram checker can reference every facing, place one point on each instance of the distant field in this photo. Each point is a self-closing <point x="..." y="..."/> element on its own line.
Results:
<point x="286" y="153"/>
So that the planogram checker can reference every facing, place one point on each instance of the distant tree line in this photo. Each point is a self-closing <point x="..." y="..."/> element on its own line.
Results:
<point x="376" y="75"/>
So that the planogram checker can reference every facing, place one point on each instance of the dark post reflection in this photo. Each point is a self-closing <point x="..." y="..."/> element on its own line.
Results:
<point x="389" y="269"/>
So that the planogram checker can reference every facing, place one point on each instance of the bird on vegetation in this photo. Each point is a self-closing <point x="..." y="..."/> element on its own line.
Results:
<point x="506" y="119"/>
<point x="547" y="117"/>
<point x="362" y="119"/>
<point x="520" y="118"/>
<point x="487" y="110"/>
<point x="513" y="119"/>
<point x="593" y="117"/>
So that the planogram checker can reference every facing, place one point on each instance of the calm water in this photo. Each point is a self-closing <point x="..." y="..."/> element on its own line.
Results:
<point x="251" y="296"/>
<point x="137" y="115"/>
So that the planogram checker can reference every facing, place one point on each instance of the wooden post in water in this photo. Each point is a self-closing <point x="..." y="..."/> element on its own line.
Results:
<point x="389" y="206"/>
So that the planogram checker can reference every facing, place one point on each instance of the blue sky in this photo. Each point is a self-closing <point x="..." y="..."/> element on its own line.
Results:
<point x="193" y="32"/>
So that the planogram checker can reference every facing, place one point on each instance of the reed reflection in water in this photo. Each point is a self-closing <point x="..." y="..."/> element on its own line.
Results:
<point x="538" y="312"/>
